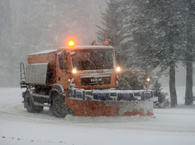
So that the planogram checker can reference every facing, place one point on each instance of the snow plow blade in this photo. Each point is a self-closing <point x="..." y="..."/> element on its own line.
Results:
<point x="111" y="102"/>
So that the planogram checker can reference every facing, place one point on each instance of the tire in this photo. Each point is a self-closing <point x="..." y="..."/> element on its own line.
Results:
<point x="58" y="107"/>
<point x="29" y="105"/>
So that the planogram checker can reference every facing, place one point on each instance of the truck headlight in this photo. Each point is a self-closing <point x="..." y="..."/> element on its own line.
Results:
<point x="118" y="69"/>
<point x="74" y="70"/>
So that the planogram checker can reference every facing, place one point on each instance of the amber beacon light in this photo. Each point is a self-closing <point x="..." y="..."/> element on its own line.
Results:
<point x="71" y="43"/>
<point x="106" y="43"/>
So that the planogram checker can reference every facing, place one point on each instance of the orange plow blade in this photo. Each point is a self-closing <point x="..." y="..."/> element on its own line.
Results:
<point x="110" y="102"/>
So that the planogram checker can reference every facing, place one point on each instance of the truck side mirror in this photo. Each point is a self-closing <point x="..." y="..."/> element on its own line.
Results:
<point x="63" y="61"/>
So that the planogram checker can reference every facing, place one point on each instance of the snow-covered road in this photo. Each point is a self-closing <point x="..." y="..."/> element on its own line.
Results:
<point x="18" y="127"/>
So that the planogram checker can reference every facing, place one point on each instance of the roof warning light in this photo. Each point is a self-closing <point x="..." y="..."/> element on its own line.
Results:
<point x="71" y="43"/>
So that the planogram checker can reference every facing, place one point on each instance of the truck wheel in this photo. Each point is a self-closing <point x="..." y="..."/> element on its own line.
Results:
<point x="58" y="107"/>
<point x="29" y="105"/>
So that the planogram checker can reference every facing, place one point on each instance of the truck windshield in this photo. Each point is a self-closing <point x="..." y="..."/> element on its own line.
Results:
<point x="91" y="59"/>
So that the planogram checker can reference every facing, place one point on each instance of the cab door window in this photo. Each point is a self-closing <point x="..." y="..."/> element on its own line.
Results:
<point x="63" y="60"/>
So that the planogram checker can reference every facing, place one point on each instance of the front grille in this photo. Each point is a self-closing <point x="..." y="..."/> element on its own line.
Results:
<point x="92" y="81"/>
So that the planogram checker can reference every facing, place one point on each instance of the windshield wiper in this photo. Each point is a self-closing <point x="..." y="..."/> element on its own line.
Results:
<point x="91" y="61"/>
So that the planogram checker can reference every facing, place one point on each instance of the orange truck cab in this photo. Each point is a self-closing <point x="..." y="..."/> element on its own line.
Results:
<point x="84" y="67"/>
<point x="87" y="67"/>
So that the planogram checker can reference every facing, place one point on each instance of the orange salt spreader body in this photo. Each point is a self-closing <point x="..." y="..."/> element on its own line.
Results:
<point x="80" y="80"/>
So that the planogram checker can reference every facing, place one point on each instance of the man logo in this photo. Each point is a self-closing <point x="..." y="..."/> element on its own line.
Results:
<point x="96" y="80"/>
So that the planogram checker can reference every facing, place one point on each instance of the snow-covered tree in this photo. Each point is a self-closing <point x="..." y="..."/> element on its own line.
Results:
<point x="159" y="37"/>
<point x="111" y="28"/>
<point x="132" y="79"/>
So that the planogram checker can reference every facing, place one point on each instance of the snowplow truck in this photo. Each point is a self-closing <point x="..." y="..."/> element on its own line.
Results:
<point x="80" y="80"/>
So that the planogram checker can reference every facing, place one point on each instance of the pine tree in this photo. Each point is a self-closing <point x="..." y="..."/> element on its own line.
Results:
<point x="111" y="28"/>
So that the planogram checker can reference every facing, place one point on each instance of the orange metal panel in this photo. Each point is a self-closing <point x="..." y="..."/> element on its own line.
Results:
<point x="110" y="108"/>
<point x="45" y="58"/>
<point x="42" y="58"/>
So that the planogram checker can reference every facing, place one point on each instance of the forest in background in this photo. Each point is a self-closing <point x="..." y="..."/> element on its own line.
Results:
<point x="28" y="26"/>
<point x="152" y="36"/>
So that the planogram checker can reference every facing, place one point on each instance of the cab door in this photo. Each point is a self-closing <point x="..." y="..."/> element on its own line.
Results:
<point x="62" y="68"/>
